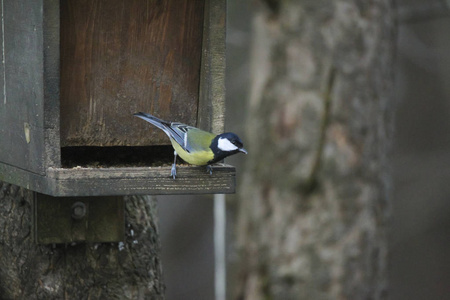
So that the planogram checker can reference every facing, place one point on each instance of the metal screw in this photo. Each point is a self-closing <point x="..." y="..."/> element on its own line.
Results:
<point x="78" y="210"/>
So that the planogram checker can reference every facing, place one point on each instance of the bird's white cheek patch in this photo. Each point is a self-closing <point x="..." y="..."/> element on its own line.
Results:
<point x="225" y="145"/>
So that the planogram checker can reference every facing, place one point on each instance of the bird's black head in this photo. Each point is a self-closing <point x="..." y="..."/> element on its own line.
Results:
<point x="226" y="144"/>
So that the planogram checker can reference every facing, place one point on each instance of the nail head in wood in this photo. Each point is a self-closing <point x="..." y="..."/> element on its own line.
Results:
<point x="78" y="210"/>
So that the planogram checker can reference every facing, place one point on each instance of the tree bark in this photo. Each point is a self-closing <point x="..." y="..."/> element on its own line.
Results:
<point x="314" y="200"/>
<point x="81" y="271"/>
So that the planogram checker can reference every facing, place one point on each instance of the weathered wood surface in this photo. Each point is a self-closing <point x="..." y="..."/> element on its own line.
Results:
<point x="51" y="35"/>
<point x="124" y="181"/>
<point x="21" y="88"/>
<point x="211" y="111"/>
<point x="78" y="271"/>
<point x="120" y="57"/>
<point x="143" y="181"/>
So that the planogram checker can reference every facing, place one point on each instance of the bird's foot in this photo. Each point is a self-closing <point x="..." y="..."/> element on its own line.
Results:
<point x="173" y="171"/>
<point x="209" y="169"/>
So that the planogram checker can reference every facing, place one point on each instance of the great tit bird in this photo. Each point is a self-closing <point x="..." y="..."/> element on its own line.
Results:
<point x="195" y="146"/>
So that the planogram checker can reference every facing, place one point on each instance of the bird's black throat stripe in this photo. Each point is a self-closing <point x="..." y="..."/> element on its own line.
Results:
<point x="219" y="154"/>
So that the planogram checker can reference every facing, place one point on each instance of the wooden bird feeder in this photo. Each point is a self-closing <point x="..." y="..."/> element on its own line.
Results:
<point x="72" y="74"/>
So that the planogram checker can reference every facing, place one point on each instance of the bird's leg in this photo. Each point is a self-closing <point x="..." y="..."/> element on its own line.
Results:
<point x="209" y="169"/>
<point x="173" y="172"/>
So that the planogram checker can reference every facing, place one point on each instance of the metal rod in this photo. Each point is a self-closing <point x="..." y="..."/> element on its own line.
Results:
<point x="219" y="246"/>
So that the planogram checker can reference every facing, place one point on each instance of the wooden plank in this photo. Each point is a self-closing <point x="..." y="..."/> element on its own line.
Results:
<point x="22" y="141"/>
<point x="51" y="40"/>
<point x="211" y="113"/>
<point x="124" y="181"/>
<point x="141" y="181"/>
<point x="24" y="178"/>
<point x="123" y="56"/>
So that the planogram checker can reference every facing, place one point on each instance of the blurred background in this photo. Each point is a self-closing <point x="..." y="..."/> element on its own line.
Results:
<point x="420" y="227"/>
<point x="419" y="258"/>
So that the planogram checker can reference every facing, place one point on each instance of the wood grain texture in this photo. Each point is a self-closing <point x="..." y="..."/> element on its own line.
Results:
<point x="51" y="66"/>
<point x="211" y="111"/>
<point x="21" y="90"/>
<point x="119" y="57"/>
<point x="124" y="181"/>
<point x="142" y="181"/>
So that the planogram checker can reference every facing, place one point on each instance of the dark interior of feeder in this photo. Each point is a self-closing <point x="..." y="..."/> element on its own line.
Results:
<point x="117" y="156"/>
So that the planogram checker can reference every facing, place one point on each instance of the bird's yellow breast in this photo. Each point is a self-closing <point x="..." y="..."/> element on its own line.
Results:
<point x="199" y="158"/>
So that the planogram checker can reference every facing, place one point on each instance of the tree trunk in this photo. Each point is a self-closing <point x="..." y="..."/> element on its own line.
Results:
<point x="315" y="194"/>
<point x="81" y="271"/>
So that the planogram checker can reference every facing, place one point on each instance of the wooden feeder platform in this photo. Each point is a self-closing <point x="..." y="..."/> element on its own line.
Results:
<point x="73" y="73"/>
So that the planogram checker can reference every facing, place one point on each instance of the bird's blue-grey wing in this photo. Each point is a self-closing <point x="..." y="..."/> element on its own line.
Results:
<point x="179" y="133"/>
<point x="192" y="139"/>
<point x="197" y="140"/>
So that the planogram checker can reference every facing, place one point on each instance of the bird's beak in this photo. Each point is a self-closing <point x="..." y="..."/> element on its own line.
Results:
<point x="243" y="150"/>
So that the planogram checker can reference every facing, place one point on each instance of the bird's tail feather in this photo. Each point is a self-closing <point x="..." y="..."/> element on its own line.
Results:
<point x="161" y="124"/>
